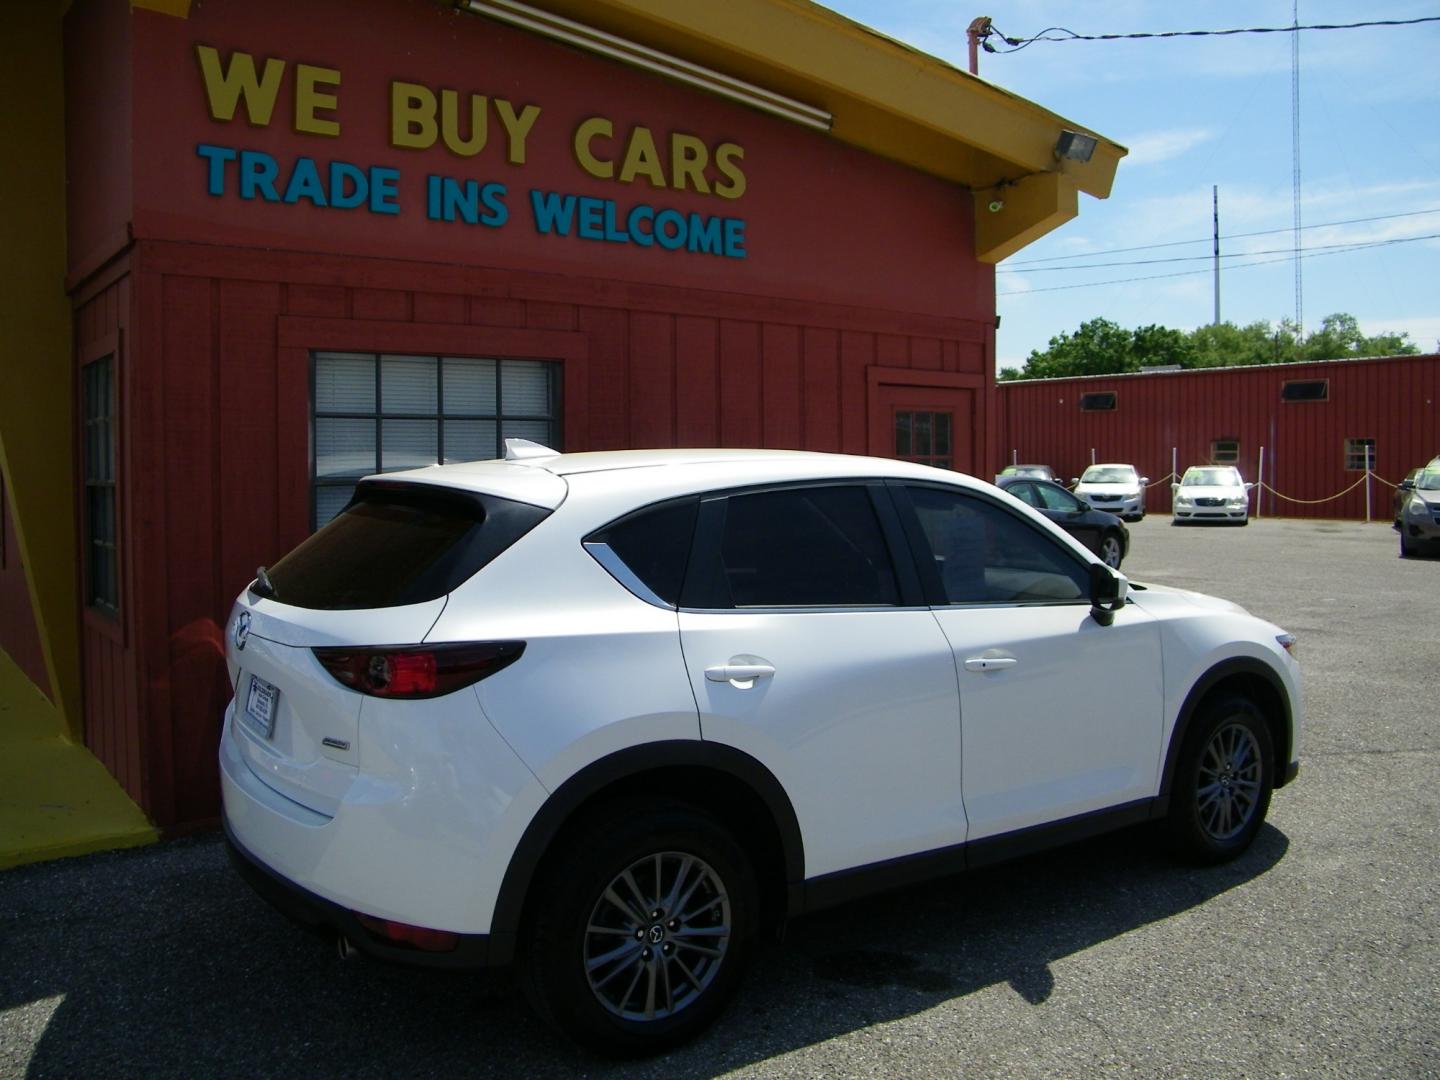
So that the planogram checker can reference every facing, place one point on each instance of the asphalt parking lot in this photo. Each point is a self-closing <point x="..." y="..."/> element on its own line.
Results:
<point x="1317" y="954"/>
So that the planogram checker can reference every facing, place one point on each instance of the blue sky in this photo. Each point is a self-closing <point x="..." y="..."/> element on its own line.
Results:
<point x="1197" y="112"/>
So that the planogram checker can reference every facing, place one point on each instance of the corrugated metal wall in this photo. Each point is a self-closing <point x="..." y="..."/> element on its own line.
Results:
<point x="1394" y="400"/>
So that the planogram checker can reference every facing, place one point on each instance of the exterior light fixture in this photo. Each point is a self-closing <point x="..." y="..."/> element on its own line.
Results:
<point x="1074" y="146"/>
<point x="647" y="59"/>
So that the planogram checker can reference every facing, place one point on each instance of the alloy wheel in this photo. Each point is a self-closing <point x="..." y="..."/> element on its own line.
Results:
<point x="1228" y="788"/>
<point x="657" y="936"/>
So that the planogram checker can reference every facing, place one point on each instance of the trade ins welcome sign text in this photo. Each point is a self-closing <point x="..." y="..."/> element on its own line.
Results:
<point x="420" y="117"/>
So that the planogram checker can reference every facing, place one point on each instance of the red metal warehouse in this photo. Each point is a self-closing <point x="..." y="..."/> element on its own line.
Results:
<point x="1316" y="426"/>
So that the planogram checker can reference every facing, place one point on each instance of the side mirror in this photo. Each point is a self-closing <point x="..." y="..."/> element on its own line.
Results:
<point x="1407" y="485"/>
<point x="1248" y="487"/>
<point x="1144" y="480"/>
<point x="1074" y="480"/>
<point x="1084" y="506"/>
<point x="1107" y="593"/>
<point x="1174" y="487"/>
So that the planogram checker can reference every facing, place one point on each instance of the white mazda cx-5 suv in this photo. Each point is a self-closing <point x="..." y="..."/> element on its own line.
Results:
<point x="604" y="717"/>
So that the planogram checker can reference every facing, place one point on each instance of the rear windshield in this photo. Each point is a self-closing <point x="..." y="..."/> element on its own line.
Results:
<point x="397" y="545"/>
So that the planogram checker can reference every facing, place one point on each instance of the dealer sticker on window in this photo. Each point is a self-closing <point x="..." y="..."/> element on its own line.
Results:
<point x="260" y="707"/>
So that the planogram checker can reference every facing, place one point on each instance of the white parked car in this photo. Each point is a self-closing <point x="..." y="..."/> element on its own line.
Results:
<point x="605" y="717"/>
<point x="1211" y="493"/>
<point x="1116" y="489"/>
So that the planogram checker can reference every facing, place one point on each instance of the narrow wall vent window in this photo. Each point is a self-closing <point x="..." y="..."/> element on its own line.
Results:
<point x="923" y="437"/>
<point x="1359" y="454"/>
<point x="1305" y="390"/>
<point x="1225" y="452"/>
<point x="1097" y="402"/>
<point x="102" y="573"/>
<point x="383" y="412"/>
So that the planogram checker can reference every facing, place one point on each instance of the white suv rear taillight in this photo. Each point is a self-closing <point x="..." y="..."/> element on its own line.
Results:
<point x="417" y="671"/>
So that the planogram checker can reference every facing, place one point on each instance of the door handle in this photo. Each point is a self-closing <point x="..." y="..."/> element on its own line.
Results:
<point x="742" y="676"/>
<point x="990" y="663"/>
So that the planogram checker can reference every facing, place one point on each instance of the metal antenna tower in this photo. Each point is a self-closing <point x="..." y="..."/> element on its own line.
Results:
<point x="1295" y="163"/>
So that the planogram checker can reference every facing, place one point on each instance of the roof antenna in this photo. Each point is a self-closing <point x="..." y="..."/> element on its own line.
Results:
<point x="525" y="450"/>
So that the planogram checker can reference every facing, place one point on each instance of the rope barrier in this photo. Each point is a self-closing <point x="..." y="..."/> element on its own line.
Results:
<point x="1312" y="502"/>
<point x="1384" y="481"/>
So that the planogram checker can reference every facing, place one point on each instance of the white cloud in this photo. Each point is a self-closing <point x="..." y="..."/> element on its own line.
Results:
<point x="1153" y="147"/>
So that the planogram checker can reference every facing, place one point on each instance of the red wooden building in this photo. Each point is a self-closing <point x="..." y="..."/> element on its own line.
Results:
<point x="1315" y="423"/>
<point x="308" y="242"/>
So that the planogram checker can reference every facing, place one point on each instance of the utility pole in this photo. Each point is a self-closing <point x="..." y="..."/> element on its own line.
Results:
<point x="1215" y="197"/>
<point x="1295" y="165"/>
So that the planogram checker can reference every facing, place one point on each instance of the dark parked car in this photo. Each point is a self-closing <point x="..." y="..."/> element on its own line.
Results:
<point x="1402" y="493"/>
<point x="1105" y="534"/>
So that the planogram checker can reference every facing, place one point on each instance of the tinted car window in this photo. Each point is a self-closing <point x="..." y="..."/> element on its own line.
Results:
<point x="395" y="545"/>
<point x="808" y="547"/>
<point x="1057" y="498"/>
<point x="1025" y="493"/>
<point x="654" y="545"/>
<point x="985" y="555"/>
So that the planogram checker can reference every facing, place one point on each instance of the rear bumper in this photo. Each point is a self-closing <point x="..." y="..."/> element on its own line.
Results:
<point x="321" y="916"/>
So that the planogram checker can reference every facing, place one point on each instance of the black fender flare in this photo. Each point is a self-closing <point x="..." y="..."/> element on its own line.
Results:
<point x="614" y="768"/>
<point x="1226" y="669"/>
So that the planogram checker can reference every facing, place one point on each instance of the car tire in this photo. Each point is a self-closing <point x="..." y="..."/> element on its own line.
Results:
<point x="626" y="981"/>
<point x="1407" y="549"/>
<point x="1112" y="549"/>
<point x="1243" y="522"/>
<point x="1223" y="780"/>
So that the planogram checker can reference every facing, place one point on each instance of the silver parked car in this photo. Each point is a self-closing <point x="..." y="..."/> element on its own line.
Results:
<point x="1212" y="493"/>
<point x="1116" y="489"/>
<point x="1420" y="516"/>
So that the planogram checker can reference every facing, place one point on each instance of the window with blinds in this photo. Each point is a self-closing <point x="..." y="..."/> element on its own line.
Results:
<point x="383" y="412"/>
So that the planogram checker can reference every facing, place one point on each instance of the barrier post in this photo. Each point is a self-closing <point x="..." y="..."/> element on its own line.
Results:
<point x="1260" y="485"/>
<point x="1369" y="453"/>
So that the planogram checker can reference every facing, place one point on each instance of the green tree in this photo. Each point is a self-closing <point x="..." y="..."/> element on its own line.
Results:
<point x="1102" y="347"/>
<point x="1099" y="347"/>
<point x="1160" y="346"/>
<point x="1340" y="336"/>
<point x="1227" y="345"/>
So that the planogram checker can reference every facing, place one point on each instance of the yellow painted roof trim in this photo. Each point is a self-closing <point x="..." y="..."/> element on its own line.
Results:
<point x="886" y="97"/>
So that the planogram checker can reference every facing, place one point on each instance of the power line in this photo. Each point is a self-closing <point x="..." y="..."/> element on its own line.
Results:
<point x="1312" y="253"/>
<point x="1206" y="239"/>
<point x="1197" y="258"/>
<point x="1070" y="35"/>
